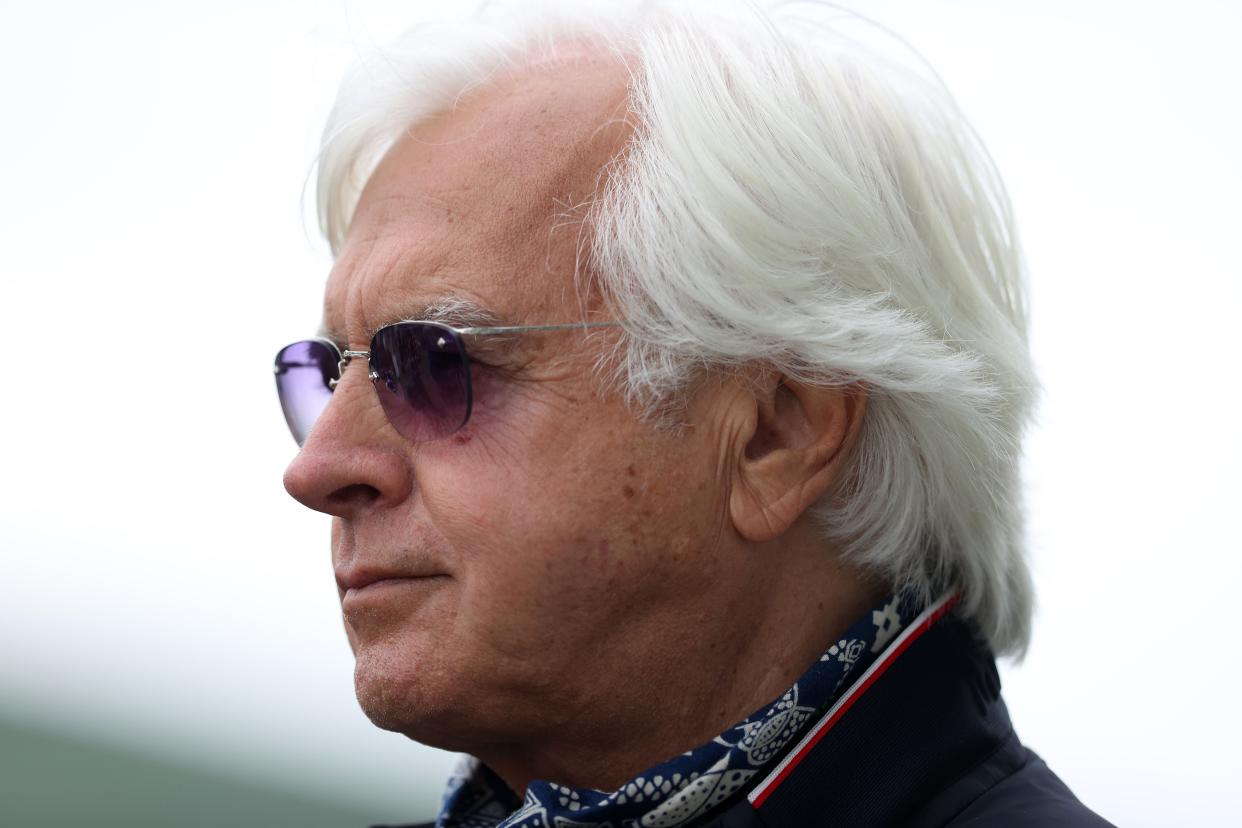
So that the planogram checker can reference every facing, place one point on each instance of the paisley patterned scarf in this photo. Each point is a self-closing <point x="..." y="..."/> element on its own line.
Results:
<point x="688" y="787"/>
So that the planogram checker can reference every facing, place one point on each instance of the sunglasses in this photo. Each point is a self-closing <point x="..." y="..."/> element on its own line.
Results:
<point x="420" y="370"/>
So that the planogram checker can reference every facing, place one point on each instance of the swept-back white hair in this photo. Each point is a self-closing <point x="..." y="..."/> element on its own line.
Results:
<point x="798" y="196"/>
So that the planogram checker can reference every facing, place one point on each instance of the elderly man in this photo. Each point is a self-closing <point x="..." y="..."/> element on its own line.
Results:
<point x="668" y="407"/>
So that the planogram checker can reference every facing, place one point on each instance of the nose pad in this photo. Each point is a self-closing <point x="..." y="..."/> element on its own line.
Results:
<point x="353" y="411"/>
<point x="346" y="358"/>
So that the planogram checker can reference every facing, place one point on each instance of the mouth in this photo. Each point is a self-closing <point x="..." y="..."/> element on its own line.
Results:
<point x="389" y="593"/>
<point x="384" y="583"/>
<point x="363" y="585"/>
<point x="361" y="577"/>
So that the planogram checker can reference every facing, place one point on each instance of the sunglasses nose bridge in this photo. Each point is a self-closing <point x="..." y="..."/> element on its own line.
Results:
<point x="347" y="357"/>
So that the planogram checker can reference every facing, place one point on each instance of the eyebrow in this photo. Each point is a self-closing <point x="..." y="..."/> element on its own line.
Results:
<point x="454" y="311"/>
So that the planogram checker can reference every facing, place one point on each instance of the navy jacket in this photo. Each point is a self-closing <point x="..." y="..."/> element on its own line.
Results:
<point x="928" y="744"/>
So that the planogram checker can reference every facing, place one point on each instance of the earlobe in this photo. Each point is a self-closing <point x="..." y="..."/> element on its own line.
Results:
<point x="798" y="443"/>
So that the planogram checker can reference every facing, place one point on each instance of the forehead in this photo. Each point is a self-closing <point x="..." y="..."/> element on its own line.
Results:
<point x="485" y="201"/>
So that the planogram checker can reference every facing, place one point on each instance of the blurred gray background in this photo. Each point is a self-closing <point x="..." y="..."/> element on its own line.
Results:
<point x="170" y="642"/>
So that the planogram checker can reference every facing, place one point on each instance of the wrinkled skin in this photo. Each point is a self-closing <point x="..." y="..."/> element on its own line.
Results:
<point x="573" y="594"/>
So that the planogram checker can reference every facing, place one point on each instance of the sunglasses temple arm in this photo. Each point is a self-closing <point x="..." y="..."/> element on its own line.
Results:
<point x="520" y="328"/>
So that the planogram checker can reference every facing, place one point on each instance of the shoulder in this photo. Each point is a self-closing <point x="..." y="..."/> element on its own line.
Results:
<point x="1013" y="788"/>
<point x="927" y="744"/>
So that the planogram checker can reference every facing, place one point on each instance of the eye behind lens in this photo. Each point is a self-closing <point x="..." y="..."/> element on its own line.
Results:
<point x="426" y="390"/>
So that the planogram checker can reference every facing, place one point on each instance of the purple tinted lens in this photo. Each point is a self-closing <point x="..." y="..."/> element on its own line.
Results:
<point x="422" y="378"/>
<point x="303" y="371"/>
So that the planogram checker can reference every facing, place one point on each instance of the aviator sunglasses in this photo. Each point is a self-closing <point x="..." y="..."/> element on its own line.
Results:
<point x="420" y="370"/>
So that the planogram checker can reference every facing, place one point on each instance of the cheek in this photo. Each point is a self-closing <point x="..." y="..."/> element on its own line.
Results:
<point x="563" y="514"/>
<point x="555" y="548"/>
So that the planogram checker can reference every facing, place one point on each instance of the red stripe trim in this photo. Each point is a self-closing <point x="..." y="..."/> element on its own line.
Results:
<point x="907" y="637"/>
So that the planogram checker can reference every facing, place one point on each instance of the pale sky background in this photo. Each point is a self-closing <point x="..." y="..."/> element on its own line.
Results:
<point x="164" y="591"/>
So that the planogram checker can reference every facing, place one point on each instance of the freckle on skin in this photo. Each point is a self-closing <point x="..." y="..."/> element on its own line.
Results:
<point x="628" y="491"/>
<point x="462" y="437"/>
<point x="630" y="470"/>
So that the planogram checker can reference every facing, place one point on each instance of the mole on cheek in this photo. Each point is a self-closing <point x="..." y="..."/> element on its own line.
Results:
<point x="628" y="491"/>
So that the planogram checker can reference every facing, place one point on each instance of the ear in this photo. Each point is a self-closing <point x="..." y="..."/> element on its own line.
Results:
<point x="796" y="444"/>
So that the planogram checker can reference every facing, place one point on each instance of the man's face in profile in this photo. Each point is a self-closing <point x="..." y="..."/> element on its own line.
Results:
<point x="520" y="562"/>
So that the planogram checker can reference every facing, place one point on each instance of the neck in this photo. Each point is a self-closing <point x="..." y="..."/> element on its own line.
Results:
<point x="704" y="669"/>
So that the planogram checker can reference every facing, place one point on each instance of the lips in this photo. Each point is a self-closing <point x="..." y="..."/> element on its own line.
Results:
<point x="358" y="578"/>
<point x="366" y="592"/>
<point x="377" y="567"/>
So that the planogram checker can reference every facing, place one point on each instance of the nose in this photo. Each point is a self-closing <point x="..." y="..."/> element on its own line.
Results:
<point x="352" y="459"/>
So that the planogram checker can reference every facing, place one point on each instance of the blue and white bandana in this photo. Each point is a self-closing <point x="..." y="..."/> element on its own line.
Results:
<point x="688" y="787"/>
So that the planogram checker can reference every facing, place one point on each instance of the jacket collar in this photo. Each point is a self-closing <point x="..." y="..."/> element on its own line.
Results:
<point x="758" y="751"/>
<point x="925" y="736"/>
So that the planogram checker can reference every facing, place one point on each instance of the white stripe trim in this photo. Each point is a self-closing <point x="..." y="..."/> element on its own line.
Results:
<point x="861" y="681"/>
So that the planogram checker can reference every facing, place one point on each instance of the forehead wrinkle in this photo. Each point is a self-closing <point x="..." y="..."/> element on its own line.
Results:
<point x="378" y="213"/>
<point x="494" y="180"/>
<point x="377" y="265"/>
<point x="540" y="137"/>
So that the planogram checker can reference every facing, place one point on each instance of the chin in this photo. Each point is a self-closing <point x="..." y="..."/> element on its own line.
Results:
<point x="399" y="690"/>
<point x="391" y="684"/>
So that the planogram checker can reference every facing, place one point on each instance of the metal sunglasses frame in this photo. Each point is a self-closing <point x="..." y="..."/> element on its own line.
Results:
<point x="347" y="355"/>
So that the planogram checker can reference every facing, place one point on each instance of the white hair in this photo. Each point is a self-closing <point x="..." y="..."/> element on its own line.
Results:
<point x="797" y="197"/>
